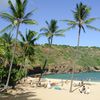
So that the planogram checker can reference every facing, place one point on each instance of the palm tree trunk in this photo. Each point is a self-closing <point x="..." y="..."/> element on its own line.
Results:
<point x="42" y="70"/>
<point x="25" y="66"/>
<point x="73" y="69"/>
<point x="13" y="54"/>
<point x="51" y="40"/>
<point x="78" y="42"/>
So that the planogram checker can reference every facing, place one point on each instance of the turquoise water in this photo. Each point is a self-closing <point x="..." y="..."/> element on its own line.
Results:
<point x="93" y="76"/>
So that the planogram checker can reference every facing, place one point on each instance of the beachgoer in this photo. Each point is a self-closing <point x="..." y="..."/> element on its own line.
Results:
<point x="87" y="90"/>
<point x="83" y="89"/>
<point x="49" y="85"/>
<point x="81" y="83"/>
<point x="62" y="82"/>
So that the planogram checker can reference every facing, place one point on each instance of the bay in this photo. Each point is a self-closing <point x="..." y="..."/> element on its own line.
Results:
<point x="87" y="76"/>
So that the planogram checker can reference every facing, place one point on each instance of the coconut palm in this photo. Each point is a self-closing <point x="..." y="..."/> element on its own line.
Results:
<point x="7" y="37"/>
<point x="27" y="45"/>
<point x="16" y="17"/>
<point x="81" y="21"/>
<point x="8" y="44"/>
<point x="51" y="30"/>
<point x="28" y="41"/>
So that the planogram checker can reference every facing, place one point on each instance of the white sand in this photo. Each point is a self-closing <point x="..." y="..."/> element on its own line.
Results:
<point x="52" y="94"/>
<point x="41" y="93"/>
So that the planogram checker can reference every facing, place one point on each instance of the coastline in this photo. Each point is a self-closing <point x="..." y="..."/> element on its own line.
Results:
<point x="29" y="92"/>
<point x="82" y="76"/>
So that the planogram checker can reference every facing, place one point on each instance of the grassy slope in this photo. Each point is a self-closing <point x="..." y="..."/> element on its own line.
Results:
<point x="62" y="57"/>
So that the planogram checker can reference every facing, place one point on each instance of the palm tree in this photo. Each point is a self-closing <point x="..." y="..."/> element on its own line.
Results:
<point x="7" y="44"/>
<point x="16" y="18"/>
<point x="7" y="37"/>
<point x="81" y="20"/>
<point x="51" y="30"/>
<point x="27" y="45"/>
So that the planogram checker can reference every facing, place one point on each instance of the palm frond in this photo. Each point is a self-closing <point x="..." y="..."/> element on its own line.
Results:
<point x="22" y="37"/>
<point x="7" y="37"/>
<point x="44" y="29"/>
<point x="29" y="14"/>
<point x="24" y="4"/>
<point x="64" y="20"/>
<point x="83" y="28"/>
<point x="13" y="10"/>
<point x="45" y="34"/>
<point x="71" y="27"/>
<point x="19" y="8"/>
<point x="86" y="12"/>
<point x="70" y="22"/>
<point x="47" y="24"/>
<point x="29" y="21"/>
<point x="7" y="17"/>
<point x="31" y="34"/>
<point x="60" y="31"/>
<point x="53" y="25"/>
<point x="34" y="39"/>
<point x="59" y="34"/>
<point x="6" y="28"/>
<point x="92" y="27"/>
<point x="89" y="20"/>
<point x="81" y="12"/>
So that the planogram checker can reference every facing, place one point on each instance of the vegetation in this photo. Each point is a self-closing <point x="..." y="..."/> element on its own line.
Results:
<point x="27" y="45"/>
<point x="18" y="56"/>
<point x="16" y="18"/>
<point x="51" y="30"/>
<point x="60" y="56"/>
<point x="80" y="15"/>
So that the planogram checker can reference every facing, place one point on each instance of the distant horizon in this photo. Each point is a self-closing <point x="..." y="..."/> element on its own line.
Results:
<point x="67" y="45"/>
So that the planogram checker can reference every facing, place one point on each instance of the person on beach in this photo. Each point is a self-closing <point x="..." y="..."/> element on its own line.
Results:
<point x="62" y="82"/>
<point x="49" y="85"/>
<point x="87" y="90"/>
<point x="83" y="89"/>
<point x="81" y="83"/>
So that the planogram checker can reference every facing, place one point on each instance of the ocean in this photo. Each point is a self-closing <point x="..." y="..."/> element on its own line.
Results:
<point x="87" y="76"/>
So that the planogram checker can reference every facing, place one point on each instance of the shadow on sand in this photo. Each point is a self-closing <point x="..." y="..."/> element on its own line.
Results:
<point x="22" y="96"/>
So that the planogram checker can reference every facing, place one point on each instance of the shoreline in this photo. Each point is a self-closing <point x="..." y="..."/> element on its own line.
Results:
<point x="82" y="76"/>
<point x="29" y="92"/>
<point x="59" y="80"/>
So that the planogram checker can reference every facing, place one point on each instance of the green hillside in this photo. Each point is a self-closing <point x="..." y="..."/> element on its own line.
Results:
<point x="62" y="58"/>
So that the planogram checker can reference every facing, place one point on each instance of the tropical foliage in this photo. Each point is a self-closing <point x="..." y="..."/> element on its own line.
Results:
<point x="27" y="45"/>
<point x="17" y="55"/>
<point x="16" y="18"/>
<point x="51" y="30"/>
<point x="81" y="20"/>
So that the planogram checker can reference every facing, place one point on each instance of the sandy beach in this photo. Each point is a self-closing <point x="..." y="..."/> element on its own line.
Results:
<point x="27" y="92"/>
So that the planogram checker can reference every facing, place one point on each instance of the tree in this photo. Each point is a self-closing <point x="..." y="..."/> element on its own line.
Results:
<point x="27" y="45"/>
<point x="7" y="38"/>
<point x="3" y="58"/>
<point x="16" y="18"/>
<point x="8" y="45"/>
<point x="81" y="20"/>
<point x="51" y="30"/>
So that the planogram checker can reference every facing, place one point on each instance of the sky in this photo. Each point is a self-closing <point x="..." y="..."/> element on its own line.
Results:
<point x="59" y="10"/>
